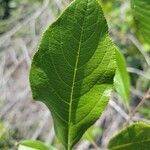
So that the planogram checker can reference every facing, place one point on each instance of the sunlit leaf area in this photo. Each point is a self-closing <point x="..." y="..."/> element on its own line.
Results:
<point x="74" y="74"/>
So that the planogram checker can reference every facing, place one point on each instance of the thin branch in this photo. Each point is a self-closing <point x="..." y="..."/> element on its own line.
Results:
<point x="146" y="97"/>
<point x="138" y="72"/>
<point x="119" y="109"/>
<point x="137" y="108"/>
<point x="116" y="107"/>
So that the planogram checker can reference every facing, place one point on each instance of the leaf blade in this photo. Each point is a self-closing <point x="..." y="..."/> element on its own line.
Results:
<point x="73" y="70"/>
<point x="122" y="78"/>
<point x="33" y="145"/>
<point x="141" y="14"/>
<point x="132" y="138"/>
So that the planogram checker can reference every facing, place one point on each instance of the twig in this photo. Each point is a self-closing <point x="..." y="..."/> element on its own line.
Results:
<point x="116" y="107"/>
<point x="141" y="119"/>
<point x="146" y="97"/>
<point x="119" y="109"/>
<point x="137" y="108"/>
<point x="138" y="72"/>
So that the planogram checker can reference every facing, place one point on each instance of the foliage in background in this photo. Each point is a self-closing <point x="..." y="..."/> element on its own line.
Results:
<point x="142" y="16"/>
<point x="122" y="79"/>
<point x="6" y="137"/>
<point x="134" y="137"/>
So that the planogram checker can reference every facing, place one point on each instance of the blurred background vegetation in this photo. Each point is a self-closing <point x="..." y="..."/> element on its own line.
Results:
<point x="21" y="25"/>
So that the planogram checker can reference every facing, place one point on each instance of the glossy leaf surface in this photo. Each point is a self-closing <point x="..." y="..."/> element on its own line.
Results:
<point x="73" y="70"/>
<point x="135" y="137"/>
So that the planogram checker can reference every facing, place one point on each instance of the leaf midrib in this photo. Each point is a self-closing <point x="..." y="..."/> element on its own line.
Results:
<point x="74" y="78"/>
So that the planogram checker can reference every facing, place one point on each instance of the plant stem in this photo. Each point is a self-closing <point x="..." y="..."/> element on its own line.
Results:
<point x="137" y="108"/>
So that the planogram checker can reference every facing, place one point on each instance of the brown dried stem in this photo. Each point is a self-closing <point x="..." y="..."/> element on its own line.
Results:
<point x="137" y="108"/>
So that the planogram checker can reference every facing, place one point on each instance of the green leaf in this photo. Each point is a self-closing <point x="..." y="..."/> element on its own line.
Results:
<point x="122" y="79"/>
<point x="34" y="145"/>
<point x="73" y="70"/>
<point x="141" y="12"/>
<point x="134" y="137"/>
